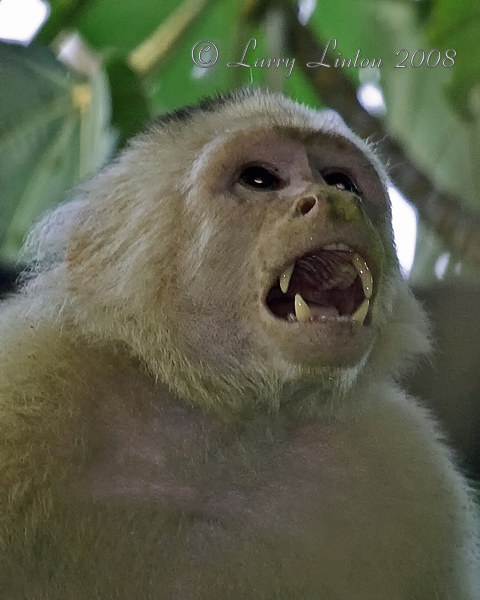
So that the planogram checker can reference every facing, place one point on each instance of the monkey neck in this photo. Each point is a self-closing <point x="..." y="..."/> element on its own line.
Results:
<point x="238" y="396"/>
<point x="236" y="393"/>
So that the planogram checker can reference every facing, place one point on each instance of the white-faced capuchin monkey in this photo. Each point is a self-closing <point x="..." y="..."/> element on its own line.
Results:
<point x="198" y="395"/>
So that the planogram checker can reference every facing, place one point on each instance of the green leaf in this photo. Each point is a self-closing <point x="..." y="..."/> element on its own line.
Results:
<point x="418" y="112"/>
<point x="180" y="82"/>
<point x="130" y="107"/>
<point x="121" y="23"/>
<point x="63" y="14"/>
<point x="457" y="26"/>
<point x="53" y="132"/>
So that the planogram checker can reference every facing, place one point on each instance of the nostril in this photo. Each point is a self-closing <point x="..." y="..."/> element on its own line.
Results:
<point x="305" y="205"/>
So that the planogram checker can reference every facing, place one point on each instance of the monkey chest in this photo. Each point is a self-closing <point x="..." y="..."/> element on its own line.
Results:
<point x="280" y="519"/>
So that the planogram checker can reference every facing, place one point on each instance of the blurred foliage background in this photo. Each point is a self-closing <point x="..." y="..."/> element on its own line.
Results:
<point x="98" y="70"/>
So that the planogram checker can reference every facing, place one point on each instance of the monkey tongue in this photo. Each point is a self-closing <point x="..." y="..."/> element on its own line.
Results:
<point x="325" y="269"/>
<point x="330" y="303"/>
<point x="327" y="282"/>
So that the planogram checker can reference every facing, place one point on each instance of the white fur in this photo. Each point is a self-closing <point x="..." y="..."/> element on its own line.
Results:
<point x="159" y="441"/>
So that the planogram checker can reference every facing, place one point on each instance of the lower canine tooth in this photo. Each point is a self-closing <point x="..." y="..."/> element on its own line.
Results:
<point x="302" y="311"/>
<point x="360" y="314"/>
<point x="285" y="278"/>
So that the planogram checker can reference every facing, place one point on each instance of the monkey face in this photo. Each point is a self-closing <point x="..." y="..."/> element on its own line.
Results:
<point x="289" y="237"/>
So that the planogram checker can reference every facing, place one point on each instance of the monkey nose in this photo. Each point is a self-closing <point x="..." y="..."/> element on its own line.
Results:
<point x="305" y="205"/>
<point x="335" y="204"/>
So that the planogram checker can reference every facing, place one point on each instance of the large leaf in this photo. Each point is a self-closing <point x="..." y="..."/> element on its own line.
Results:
<point x="121" y="23"/>
<point x="180" y="82"/>
<point x="130" y="106"/>
<point x="63" y="15"/>
<point x="53" y="132"/>
<point x="457" y="25"/>
<point x="420" y="116"/>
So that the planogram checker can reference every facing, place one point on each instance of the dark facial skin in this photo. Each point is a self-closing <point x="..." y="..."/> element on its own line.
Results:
<point x="287" y="198"/>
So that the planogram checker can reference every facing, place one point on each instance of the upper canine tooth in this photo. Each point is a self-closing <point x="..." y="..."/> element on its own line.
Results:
<point x="365" y="275"/>
<point x="285" y="278"/>
<point x="360" y="314"/>
<point x="302" y="311"/>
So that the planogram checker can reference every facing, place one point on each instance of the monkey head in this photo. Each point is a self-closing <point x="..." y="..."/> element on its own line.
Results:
<point x="242" y="246"/>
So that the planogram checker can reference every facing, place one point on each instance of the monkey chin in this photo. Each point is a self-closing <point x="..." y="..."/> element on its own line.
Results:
<point x="328" y="343"/>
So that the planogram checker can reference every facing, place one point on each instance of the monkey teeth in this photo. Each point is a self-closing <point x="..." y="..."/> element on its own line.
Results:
<point x="365" y="275"/>
<point x="302" y="312"/>
<point x="360" y="314"/>
<point x="285" y="278"/>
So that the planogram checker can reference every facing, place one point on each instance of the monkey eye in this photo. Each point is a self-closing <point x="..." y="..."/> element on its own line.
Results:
<point x="260" y="178"/>
<point x="340" y="181"/>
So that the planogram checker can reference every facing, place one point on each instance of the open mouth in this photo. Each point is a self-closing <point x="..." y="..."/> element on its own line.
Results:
<point x="330" y="284"/>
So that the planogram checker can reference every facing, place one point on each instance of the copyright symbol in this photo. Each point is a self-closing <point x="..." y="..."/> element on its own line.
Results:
<point x="204" y="54"/>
